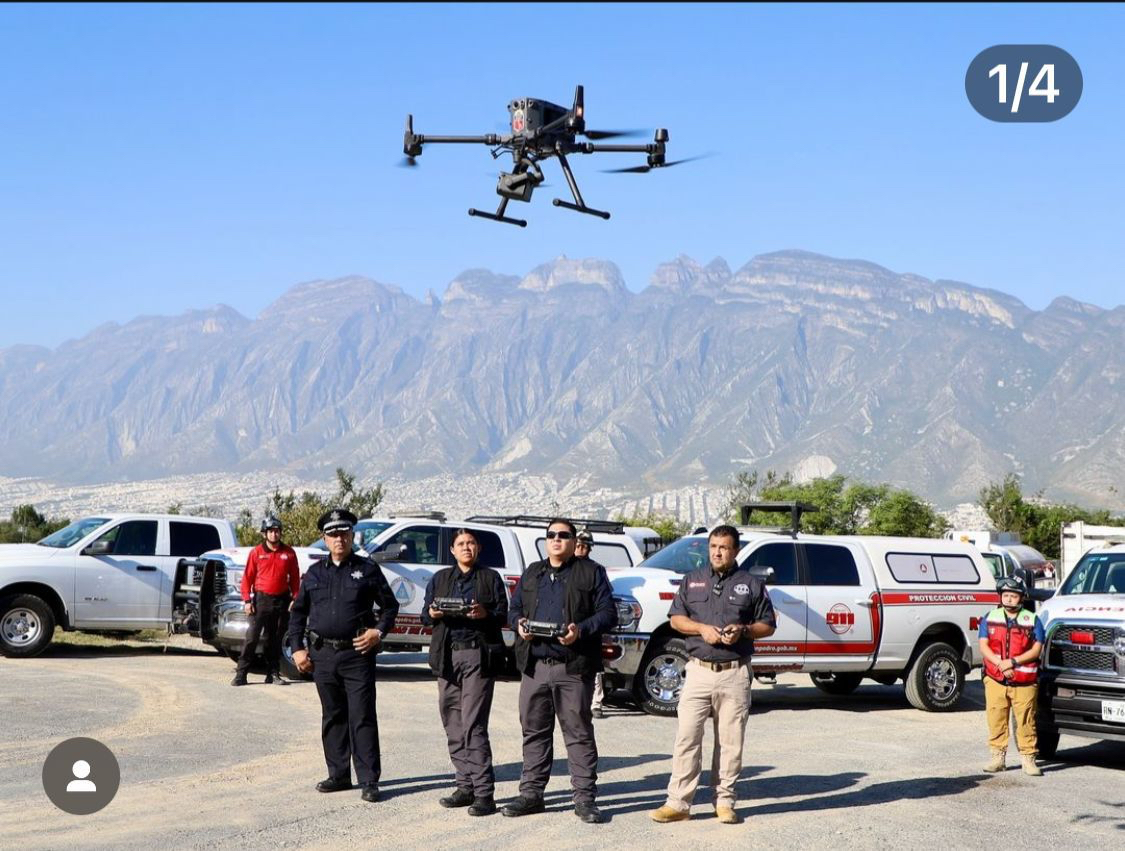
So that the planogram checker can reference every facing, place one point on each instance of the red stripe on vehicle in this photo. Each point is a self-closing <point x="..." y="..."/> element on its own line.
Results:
<point x="939" y="598"/>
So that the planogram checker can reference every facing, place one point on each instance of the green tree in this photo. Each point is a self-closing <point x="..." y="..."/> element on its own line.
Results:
<point x="1004" y="504"/>
<point x="901" y="513"/>
<point x="1038" y="523"/>
<point x="665" y="525"/>
<point x="856" y="508"/>
<point x="26" y="525"/>
<point x="299" y="512"/>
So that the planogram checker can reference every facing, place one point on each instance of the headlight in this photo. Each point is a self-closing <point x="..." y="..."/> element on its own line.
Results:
<point x="628" y="613"/>
<point x="234" y="581"/>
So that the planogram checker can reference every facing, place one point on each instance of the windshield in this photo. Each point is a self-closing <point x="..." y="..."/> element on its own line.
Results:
<point x="682" y="556"/>
<point x="367" y="530"/>
<point x="1097" y="573"/>
<point x="72" y="534"/>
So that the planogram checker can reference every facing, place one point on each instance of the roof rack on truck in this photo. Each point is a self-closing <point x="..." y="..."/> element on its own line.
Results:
<point x="795" y="509"/>
<point x="535" y="521"/>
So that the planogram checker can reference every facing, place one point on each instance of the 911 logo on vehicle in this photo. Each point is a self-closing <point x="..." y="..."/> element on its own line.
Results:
<point x="840" y="619"/>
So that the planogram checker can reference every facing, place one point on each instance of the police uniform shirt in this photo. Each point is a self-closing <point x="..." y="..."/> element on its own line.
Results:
<point x="337" y="601"/>
<point x="717" y="599"/>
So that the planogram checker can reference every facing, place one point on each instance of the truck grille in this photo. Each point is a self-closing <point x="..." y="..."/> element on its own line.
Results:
<point x="1085" y="660"/>
<point x="1103" y="656"/>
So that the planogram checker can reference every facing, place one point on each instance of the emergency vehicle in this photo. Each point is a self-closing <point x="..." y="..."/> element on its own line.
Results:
<point x="848" y="608"/>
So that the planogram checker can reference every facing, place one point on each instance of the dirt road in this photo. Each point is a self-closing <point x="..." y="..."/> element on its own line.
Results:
<point x="207" y="765"/>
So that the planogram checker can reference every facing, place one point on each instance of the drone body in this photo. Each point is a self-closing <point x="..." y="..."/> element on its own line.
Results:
<point x="541" y="130"/>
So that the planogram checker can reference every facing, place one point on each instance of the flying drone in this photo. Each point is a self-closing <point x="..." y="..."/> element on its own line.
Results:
<point x="542" y="130"/>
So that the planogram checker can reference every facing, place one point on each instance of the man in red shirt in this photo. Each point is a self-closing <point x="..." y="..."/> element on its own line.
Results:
<point x="269" y="585"/>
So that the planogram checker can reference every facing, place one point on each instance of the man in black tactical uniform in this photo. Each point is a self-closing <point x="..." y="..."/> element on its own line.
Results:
<point x="466" y="653"/>
<point x="558" y="670"/>
<point x="335" y="611"/>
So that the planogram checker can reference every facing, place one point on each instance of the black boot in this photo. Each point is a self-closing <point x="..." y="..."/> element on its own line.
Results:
<point x="524" y="805"/>
<point x="459" y="798"/>
<point x="483" y="807"/>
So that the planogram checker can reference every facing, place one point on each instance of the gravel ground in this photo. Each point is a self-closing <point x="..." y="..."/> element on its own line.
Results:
<point x="207" y="766"/>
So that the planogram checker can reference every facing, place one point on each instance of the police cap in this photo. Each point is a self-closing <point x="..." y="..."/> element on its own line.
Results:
<point x="337" y="518"/>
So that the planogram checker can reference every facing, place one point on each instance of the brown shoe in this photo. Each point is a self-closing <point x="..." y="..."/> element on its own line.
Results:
<point x="1029" y="765"/>
<point x="997" y="763"/>
<point x="727" y="815"/>
<point x="666" y="814"/>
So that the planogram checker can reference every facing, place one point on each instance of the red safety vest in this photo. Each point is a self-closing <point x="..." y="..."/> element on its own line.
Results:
<point x="1007" y="642"/>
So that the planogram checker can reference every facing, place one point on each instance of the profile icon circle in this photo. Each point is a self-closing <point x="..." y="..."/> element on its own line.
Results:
<point x="81" y="776"/>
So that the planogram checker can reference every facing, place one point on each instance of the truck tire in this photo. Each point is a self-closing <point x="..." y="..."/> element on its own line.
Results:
<point x="26" y="626"/>
<point x="1048" y="735"/>
<point x="660" y="678"/>
<point x="838" y="684"/>
<point x="936" y="680"/>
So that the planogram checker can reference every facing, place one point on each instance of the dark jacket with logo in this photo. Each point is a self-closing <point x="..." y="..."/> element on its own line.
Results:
<point x="488" y="590"/>
<point x="593" y="613"/>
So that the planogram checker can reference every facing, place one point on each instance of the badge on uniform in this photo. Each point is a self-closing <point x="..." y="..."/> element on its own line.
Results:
<point x="742" y="588"/>
<point x="357" y="574"/>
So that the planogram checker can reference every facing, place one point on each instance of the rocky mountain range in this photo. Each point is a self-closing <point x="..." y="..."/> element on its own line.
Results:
<point x="793" y="362"/>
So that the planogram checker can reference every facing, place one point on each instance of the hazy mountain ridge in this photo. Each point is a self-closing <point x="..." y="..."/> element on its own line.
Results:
<point x="793" y="360"/>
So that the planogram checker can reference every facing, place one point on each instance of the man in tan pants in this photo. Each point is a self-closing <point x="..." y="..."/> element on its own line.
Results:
<point x="721" y="609"/>
<point x="1011" y="639"/>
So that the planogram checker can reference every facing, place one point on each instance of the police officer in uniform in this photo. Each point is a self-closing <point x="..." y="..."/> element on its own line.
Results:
<point x="335" y="614"/>
<point x="269" y="584"/>
<point x="558" y="671"/>
<point x="722" y="609"/>
<point x="466" y="653"/>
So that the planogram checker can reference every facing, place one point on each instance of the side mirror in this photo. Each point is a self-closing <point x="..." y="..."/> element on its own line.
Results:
<point x="99" y="548"/>
<point x="384" y="556"/>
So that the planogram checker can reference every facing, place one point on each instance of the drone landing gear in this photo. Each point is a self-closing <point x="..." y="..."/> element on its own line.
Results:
<point x="499" y="216"/>
<point x="579" y="205"/>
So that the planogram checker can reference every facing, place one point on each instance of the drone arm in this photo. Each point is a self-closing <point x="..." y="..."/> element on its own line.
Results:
<point x="491" y="139"/>
<point x="590" y="148"/>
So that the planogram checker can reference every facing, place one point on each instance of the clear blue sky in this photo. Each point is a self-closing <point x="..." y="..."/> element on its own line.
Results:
<point x="159" y="158"/>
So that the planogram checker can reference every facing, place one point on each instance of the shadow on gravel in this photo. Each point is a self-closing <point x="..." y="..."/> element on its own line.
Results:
<point x="1103" y="754"/>
<point x="869" y="697"/>
<point x="878" y="793"/>
<point x="1116" y="820"/>
<point x="63" y="650"/>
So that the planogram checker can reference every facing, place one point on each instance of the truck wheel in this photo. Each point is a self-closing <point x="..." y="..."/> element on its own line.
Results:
<point x="660" y="679"/>
<point x="936" y="679"/>
<point x="838" y="684"/>
<point x="26" y="625"/>
<point x="1048" y="735"/>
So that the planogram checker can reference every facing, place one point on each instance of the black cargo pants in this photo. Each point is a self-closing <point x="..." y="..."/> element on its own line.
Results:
<point x="547" y="692"/>
<point x="270" y="621"/>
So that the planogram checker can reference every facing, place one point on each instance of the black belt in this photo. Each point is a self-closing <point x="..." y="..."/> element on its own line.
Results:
<point x="548" y="660"/>
<point x="267" y="594"/>
<point x="467" y="644"/>
<point x="316" y="641"/>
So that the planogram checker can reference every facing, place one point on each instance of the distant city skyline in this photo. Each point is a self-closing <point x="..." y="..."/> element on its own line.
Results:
<point x="164" y="158"/>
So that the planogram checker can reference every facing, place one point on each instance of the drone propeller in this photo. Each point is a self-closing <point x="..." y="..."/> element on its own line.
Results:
<point x="644" y="169"/>
<point x="614" y="134"/>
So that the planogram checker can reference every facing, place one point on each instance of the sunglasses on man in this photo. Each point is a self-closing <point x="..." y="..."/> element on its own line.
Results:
<point x="562" y="536"/>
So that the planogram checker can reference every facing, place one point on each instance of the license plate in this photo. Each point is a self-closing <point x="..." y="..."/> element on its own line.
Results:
<point x="1113" y="710"/>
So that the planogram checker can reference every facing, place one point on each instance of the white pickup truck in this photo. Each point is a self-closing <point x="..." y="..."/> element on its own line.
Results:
<point x="107" y="573"/>
<point x="848" y="607"/>
<point x="1082" y="685"/>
